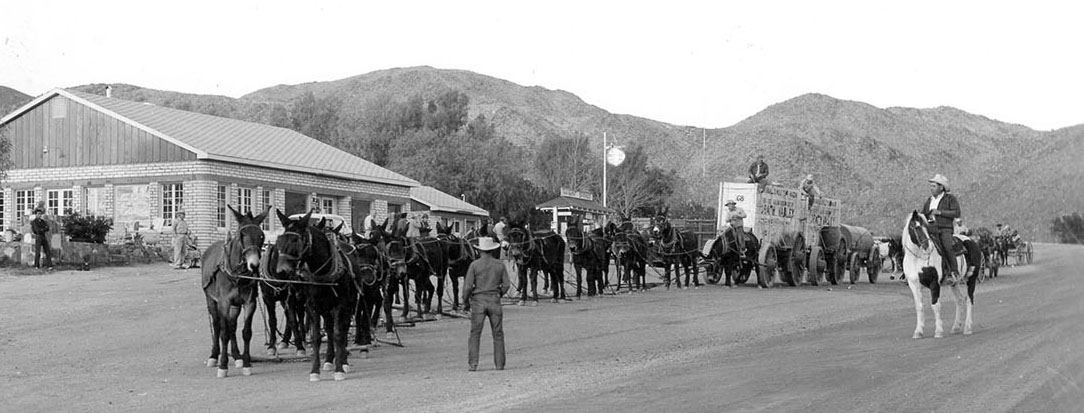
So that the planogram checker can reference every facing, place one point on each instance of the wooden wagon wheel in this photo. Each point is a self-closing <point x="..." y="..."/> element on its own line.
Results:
<point x="838" y="264"/>
<point x="768" y="262"/>
<point x="854" y="268"/>
<point x="796" y="263"/>
<point x="816" y="264"/>
<point x="1030" y="252"/>
<point x="875" y="263"/>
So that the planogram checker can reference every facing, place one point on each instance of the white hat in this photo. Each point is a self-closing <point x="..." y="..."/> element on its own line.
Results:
<point x="487" y="244"/>
<point x="940" y="179"/>
<point x="730" y="202"/>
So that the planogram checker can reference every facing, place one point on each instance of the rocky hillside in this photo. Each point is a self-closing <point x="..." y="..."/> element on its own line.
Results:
<point x="876" y="160"/>
<point x="11" y="99"/>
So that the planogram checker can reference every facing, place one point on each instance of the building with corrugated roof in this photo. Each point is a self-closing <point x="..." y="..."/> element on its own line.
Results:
<point x="440" y="206"/>
<point x="140" y="164"/>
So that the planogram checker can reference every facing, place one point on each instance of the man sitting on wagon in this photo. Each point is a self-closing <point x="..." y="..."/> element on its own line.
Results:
<point x="758" y="172"/>
<point x="734" y="215"/>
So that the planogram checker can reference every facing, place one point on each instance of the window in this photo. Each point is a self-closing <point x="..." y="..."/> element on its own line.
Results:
<point x="220" y="207"/>
<point x="394" y="209"/>
<point x="455" y="227"/>
<point x="23" y="203"/>
<point x="265" y="201"/>
<point x="94" y="201"/>
<point x="1" y="213"/>
<point x="244" y="200"/>
<point x="59" y="202"/>
<point x="172" y="201"/>
<point x="327" y="205"/>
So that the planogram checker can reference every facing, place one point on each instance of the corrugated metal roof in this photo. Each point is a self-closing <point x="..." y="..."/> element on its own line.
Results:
<point x="232" y="140"/>
<point x="440" y="201"/>
<point x="575" y="203"/>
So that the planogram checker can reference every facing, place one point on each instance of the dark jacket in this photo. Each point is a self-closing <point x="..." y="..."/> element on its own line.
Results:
<point x="758" y="166"/>
<point x="39" y="226"/>
<point x="950" y="210"/>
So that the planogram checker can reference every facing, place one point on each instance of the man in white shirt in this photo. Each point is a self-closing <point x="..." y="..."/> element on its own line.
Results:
<point x="734" y="216"/>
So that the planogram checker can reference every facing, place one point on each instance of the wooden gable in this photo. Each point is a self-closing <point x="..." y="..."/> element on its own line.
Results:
<point x="60" y="132"/>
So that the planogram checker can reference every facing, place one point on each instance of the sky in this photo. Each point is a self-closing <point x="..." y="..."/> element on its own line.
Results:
<point x="697" y="63"/>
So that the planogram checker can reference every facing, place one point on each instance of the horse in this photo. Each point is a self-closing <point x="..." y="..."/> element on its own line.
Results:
<point x="533" y="251"/>
<point x="677" y="249"/>
<point x="229" y="284"/>
<point x="459" y="254"/>
<point x="988" y="245"/>
<point x="923" y="266"/>
<point x="728" y="256"/>
<point x="630" y="252"/>
<point x="590" y="251"/>
<point x="895" y="252"/>
<point x="330" y="287"/>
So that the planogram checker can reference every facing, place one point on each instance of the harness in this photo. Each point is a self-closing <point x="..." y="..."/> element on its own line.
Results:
<point x="235" y="272"/>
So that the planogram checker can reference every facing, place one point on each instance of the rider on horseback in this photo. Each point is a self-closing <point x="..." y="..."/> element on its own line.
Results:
<point x="941" y="209"/>
<point x="734" y="216"/>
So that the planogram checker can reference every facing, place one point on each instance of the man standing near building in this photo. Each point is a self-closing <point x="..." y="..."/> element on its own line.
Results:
<point x="180" y="241"/>
<point x="40" y="227"/>
<point x="486" y="282"/>
<point x="498" y="231"/>
<point x="367" y="225"/>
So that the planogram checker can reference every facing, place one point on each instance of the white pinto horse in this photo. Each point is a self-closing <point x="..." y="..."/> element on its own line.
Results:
<point x="922" y="267"/>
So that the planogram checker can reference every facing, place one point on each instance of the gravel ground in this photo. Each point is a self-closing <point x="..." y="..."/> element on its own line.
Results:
<point x="136" y="339"/>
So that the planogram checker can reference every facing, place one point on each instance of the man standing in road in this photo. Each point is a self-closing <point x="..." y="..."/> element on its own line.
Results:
<point x="486" y="282"/>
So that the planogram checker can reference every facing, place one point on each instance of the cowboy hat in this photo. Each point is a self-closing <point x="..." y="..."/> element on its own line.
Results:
<point x="730" y="202"/>
<point x="941" y="180"/>
<point x="486" y="244"/>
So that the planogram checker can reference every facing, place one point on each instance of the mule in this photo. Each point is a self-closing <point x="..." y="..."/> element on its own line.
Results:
<point x="590" y="251"/>
<point x="988" y="245"/>
<point x="923" y="267"/>
<point x="293" y="307"/>
<point x="229" y="271"/>
<point x="312" y="255"/>
<point x="678" y="250"/>
<point x="421" y="258"/>
<point x="728" y="258"/>
<point x="533" y="252"/>
<point x="630" y="252"/>
<point x="459" y="255"/>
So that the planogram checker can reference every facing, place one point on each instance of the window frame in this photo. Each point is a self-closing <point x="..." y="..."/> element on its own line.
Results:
<point x="172" y="201"/>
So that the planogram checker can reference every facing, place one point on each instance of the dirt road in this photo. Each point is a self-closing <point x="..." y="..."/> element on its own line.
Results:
<point x="136" y="338"/>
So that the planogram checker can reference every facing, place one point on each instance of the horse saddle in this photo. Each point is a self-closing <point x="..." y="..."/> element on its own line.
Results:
<point x="958" y="247"/>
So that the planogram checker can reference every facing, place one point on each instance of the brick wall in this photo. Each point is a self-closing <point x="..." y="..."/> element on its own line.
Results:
<point x="201" y="179"/>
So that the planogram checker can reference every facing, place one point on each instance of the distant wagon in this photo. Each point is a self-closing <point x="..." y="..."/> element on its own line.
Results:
<point x="849" y="249"/>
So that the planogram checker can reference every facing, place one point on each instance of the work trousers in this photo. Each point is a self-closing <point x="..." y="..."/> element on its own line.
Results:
<point x="180" y="250"/>
<point x="942" y="238"/>
<point x="482" y="306"/>
<point x="41" y="244"/>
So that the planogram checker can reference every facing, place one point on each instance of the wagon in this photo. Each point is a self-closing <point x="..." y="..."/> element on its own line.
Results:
<point x="850" y="249"/>
<point x="789" y="230"/>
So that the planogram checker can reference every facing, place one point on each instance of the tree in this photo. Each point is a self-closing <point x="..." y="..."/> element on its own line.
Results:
<point x="634" y="186"/>
<point x="567" y="163"/>
<point x="5" y="151"/>
<point x="1068" y="228"/>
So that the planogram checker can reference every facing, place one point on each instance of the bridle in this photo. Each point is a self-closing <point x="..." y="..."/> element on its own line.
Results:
<point x="377" y="269"/>
<point x="585" y="241"/>
<point x="240" y="268"/>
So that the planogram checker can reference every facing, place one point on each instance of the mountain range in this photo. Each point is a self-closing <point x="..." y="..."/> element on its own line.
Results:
<point x="875" y="160"/>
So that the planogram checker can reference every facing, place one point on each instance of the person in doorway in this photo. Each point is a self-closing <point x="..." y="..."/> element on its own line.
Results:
<point x="402" y="224"/>
<point x="40" y="227"/>
<point x="810" y="189"/>
<point x="758" y="172"/>
<point x="486" y="282"/>
<point x="180" y="241"/>
<point x="734" y="216"/>
<point x="367" y="225"/>
<point x="941" y="209"/>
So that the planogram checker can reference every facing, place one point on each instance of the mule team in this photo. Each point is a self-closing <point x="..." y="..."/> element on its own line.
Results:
<point x="336" y="279"/>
